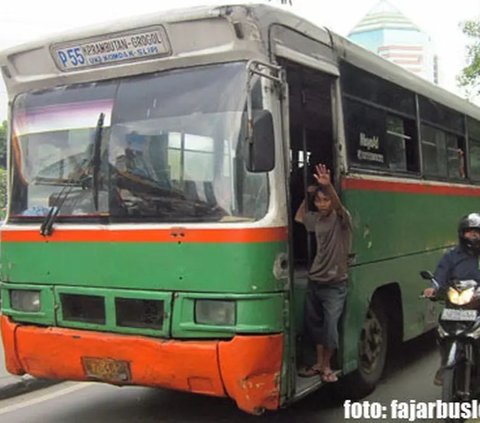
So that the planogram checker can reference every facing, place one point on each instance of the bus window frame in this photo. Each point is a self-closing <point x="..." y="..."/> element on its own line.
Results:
<point x="361" y="168"/>
<point x="419" y="120"/>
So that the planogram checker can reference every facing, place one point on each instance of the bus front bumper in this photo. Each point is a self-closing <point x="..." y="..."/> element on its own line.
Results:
<point x="245" y="368"/>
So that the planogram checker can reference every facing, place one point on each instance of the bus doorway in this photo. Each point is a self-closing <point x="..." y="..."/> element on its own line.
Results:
<point x="311" y="142"/>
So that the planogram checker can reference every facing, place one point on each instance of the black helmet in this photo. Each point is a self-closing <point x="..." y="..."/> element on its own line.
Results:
<point x="470" y="221"/>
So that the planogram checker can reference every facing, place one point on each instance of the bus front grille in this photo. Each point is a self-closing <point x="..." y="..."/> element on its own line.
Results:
<point x="139" y="313"/>
<point x="116" y="311"/>
<point x="83" y="308"/>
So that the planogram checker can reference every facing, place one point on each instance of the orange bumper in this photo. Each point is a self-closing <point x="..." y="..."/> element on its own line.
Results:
<point x="246" y="368"/>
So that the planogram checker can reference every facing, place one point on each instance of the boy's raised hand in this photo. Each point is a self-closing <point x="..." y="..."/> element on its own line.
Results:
<point x="322" y="175"/>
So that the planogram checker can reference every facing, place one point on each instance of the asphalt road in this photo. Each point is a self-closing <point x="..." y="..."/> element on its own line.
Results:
<point x="408" y="377"/>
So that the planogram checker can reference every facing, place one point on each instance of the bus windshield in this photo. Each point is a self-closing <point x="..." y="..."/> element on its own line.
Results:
<point x="162" y="147"/>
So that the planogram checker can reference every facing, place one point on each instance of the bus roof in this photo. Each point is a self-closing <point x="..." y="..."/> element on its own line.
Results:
<point x="200" y="35"/>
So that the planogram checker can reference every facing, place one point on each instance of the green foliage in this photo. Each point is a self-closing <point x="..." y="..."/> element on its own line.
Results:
<point x="470" y="77"/>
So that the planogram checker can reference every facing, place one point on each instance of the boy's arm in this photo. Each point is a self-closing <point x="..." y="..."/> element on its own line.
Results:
<point x="322" y="176"/>
<point x="300" y="214"/>
<point x="336" y="202"/>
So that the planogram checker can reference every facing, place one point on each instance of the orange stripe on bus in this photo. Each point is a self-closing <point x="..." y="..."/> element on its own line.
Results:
<point x="406" y="187"/>
<point x="12" y="362"/>
<point x="176" y="235"/>
<point x="251" y="369"/>
<point x="246" y="368"/>
<point x="57" y="353"/>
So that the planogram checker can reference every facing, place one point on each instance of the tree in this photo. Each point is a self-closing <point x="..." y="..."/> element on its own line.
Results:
<point x="470" y="76"/>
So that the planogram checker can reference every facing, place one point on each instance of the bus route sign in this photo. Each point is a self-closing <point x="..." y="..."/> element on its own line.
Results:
<point x="121" y="47"/>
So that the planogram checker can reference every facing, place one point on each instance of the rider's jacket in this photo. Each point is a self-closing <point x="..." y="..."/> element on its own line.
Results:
<point x="458" y="264"/>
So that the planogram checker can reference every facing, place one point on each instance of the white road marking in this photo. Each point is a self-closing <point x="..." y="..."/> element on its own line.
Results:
<point x="46" y="397"/>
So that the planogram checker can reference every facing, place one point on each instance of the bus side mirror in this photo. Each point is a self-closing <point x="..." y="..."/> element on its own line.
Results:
<point x="260" y="142"/>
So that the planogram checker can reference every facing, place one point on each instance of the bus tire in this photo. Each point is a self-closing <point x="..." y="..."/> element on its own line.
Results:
<point x="372" y="353"/>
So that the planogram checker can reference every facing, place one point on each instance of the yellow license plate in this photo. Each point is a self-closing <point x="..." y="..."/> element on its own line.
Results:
<point x="106" y="369"/>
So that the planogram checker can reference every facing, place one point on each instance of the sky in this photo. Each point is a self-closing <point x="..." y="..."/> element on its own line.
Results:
<point x="25" y="20"/>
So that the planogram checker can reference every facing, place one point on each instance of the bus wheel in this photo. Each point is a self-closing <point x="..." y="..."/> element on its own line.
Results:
<point x="372" y="349"/>
<point x="372" y="353"/>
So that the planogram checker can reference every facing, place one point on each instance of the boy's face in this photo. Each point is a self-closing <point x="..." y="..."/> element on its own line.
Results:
<point x="323" y="203"/>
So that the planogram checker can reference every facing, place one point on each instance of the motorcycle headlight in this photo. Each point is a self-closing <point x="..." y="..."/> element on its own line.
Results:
<point x="25" y="300"/>
<point x="460" y="297"/>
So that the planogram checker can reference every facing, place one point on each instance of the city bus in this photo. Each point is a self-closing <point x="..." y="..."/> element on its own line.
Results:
<point x="155" y="165"/>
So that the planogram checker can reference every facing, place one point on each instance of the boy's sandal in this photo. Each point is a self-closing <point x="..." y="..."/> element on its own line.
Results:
<point x="329" y="377"/>
<point x="309" y="371"/>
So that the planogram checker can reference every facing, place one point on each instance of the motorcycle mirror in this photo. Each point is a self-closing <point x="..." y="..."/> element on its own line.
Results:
<point x="426" y="274"/>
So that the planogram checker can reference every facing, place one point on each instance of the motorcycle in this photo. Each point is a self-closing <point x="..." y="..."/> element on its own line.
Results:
<point x="459" y="335"/>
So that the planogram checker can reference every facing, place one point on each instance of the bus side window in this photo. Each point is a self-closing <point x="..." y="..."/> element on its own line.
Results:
<point x="474" y="158"/>
<point x="381" y="140"/>
<point x="472" y="161"/>
<point x="456" y="157"/>
<point x="401" y="149"/>
<point x="443" y="153"/>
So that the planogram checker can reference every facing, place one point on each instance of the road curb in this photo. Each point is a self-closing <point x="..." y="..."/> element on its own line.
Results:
<point x="21" y="385"/>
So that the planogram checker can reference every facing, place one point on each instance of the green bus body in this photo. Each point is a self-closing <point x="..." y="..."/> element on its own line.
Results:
<point x="404" y="217"/>
<point x="242" y="272"/>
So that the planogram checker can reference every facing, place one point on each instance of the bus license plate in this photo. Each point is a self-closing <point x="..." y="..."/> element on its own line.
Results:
<point x="106" y="369"/>
<point x="459" y="315"/>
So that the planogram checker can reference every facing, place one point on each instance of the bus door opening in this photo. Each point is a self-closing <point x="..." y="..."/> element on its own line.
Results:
<point x="311" y="142"/>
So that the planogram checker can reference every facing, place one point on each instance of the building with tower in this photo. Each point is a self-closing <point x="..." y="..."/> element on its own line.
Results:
<point x="387" y="32"/>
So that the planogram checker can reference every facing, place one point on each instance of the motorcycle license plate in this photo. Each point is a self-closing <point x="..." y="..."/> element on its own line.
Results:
<point x="459" y="315"/>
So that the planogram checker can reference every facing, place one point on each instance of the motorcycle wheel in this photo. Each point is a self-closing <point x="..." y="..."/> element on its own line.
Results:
<point x="449" y="388"/>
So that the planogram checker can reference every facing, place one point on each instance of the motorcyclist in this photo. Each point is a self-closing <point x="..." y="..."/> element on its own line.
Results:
<point x="459" y="263"/>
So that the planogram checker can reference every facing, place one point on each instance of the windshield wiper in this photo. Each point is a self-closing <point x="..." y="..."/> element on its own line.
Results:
<point x="46" y="227"/>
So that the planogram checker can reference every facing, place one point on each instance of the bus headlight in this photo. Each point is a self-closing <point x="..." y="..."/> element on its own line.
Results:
<point x="215" y="312"/>
<point x="25" y="300"/>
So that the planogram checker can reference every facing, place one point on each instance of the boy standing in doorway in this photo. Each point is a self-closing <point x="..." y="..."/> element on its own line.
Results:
<point x="327" y="278"/>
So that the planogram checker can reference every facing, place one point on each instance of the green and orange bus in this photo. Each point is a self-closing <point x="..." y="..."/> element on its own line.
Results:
<point x="155" y="165"/>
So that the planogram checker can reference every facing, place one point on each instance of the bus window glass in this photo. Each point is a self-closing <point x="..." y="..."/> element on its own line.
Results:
<point x="433" y="112"/>
<point x="474" y="156"/>
<point x="191" y="121"/>
<point x="456" y="166"/>
<point x="366" y="129"/>
<point x="473" y="128"/>
<point x="378" y="140"/>
<point x="54" y="136"/>
<point x="171" y="149"/>
<point x="396" y="140"/>
<point x="363" y="85"/>
<point x="434" y="151"/>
